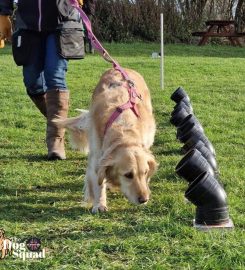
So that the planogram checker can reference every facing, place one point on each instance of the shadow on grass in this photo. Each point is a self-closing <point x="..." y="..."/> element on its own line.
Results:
<point x="220" y="51"/>
<point x="41" y="203"/>
<point x="37" y="158"/>
<point x="50" y="202"/>
<point x="181" y="50"/>
<point x="34" y="158"/>
<point x="7" y="146"/>
<point x="172" y="152"/>
<point x="161" y="149"/>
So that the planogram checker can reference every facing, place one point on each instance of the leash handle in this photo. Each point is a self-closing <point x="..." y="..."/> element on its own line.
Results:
<point x="95" y="42"/>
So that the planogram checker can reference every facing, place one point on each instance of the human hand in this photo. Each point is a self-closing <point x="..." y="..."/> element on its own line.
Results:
<point x="5" y="29"/>
<point x="80" y="2"/>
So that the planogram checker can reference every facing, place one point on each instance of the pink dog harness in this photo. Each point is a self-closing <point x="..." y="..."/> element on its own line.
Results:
<point x="131" y="104"/>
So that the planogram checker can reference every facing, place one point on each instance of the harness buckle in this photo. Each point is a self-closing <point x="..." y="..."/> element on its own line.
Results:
<point x="119" y="109"/>
<point x="130" y="83"/>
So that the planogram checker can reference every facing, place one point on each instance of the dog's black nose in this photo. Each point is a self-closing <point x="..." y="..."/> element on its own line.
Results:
<point x="142" y="199"/>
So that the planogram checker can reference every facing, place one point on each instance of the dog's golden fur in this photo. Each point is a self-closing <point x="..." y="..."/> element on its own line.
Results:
<point x="121" y="157"/>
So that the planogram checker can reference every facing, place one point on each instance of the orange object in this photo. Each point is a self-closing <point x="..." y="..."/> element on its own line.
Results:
<point x="5" y="27"/>
<point x="2" y="43"/>
<point x="80" y="2"/>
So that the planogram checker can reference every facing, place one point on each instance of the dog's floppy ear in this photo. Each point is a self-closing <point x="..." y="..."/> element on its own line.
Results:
<point x="105" y="163"/>
<point x="152" y="164"/>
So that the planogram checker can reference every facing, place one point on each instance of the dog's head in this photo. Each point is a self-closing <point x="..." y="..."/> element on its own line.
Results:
<point x="130" y="168"/>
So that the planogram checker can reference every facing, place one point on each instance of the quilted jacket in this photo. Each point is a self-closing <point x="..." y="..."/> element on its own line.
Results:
<point x="42" y="15"/>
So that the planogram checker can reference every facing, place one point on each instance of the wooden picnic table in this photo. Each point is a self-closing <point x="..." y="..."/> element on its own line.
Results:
<point x="220" y="28"/>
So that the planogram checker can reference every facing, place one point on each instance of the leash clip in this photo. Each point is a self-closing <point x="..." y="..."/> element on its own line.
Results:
<point x="119" y="109"/>
<point x="130" y="83"/>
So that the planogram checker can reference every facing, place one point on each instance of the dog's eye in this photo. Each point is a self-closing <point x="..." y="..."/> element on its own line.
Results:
<point x="129" y="175"/>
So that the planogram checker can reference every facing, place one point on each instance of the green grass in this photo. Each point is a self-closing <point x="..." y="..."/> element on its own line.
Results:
<point x="44" y="198"/>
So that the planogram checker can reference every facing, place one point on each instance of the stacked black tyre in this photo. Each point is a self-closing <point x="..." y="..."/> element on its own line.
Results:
<point x="198" y="165"/>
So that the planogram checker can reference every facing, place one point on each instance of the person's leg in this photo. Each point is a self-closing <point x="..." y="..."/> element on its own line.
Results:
<point x="34" y="78"/>
<point x="57" y="98"/>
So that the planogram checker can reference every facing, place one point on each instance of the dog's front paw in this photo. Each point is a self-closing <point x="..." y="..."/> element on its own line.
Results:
<point x="99" y="208"/>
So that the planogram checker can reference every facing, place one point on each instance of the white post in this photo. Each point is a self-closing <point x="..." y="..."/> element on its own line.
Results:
<point x="162" y="53"/>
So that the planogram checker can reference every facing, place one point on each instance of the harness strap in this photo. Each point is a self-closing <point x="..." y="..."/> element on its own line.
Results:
<point x="128" y="105"/>
<point x="131" y="104"/>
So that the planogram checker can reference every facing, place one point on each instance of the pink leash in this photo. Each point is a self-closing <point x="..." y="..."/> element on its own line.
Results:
<point x="131" y="104"/>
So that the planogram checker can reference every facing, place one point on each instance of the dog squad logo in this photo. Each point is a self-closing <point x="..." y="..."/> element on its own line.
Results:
<point x="30" y="249"/>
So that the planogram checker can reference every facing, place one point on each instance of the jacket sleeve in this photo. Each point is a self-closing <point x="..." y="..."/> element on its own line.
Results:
<point x="6" y="7"/>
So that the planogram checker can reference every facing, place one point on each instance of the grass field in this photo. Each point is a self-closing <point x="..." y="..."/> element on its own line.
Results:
<point x="43" y="199"/>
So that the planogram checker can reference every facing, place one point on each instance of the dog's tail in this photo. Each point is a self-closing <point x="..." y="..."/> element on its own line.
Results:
<point x="78" y="128"/>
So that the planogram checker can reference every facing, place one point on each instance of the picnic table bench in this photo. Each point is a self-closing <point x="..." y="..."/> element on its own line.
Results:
<point x="220" y="28"/>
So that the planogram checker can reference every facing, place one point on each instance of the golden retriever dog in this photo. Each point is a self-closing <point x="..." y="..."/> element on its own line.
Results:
<point x="119" y="157"/>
